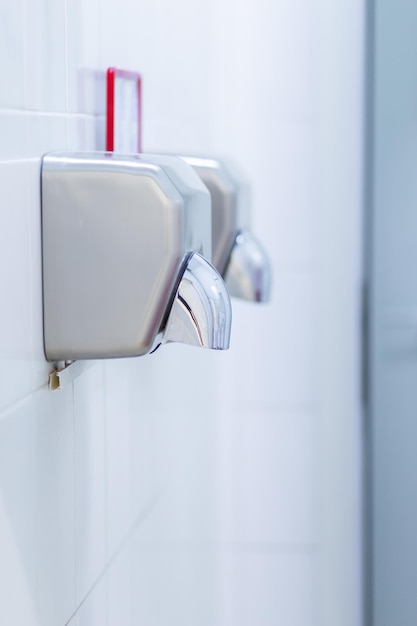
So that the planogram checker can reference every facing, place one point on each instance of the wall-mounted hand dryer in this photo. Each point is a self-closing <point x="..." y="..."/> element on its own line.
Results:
<point x="237" y="255"/>
<point x="124" y="240"/>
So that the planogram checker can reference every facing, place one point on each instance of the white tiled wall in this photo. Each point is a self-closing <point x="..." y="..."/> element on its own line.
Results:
<point x="190" y="487"/>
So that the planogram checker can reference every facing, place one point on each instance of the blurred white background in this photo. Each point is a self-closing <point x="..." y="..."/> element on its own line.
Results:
<point x="188" y="487"/>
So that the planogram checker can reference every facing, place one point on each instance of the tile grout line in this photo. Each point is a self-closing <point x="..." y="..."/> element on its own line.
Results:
<point x="122" y="544"/>
<point x="106" y="484"/>
<point x="45" y="113"/>
<point x="75" y="508"/>
<point x="269" y="547"/>
<point x="66" y="61"/>
<point x="242" y="547"/>
<point x="12" y="405"/>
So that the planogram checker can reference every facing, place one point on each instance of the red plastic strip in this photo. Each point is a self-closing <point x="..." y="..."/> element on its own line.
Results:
<point x="111" y="78"/>
<point x="139" y="114"/>
<point x="111" y="86"/>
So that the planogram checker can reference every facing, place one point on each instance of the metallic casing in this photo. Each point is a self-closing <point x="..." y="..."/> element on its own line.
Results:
<point x="230" y="205"/>
<point x="237" y="255"/>
<point x="117" y="232"/>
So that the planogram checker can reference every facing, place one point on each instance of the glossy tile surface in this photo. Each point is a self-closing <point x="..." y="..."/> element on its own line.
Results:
<point x="44" y="43"/>
<point x="12" y="60"/>
<point x="55" y="506"/>
<point x="271" y="370"/>
<point x="83" y="54"/>
<point x="256" y="587"/>
<point x="37" y="510"/>
<point x="90" y="488"/>
<point x="173" y="583"/>
<point x="18" y="589"/>
<point x="22" y="363"/>
<point x="273" y="455"/>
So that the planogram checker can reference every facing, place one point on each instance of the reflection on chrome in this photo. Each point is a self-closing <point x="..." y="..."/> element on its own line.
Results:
<point x="248" y="272"/>
<point x="201" y="313"/>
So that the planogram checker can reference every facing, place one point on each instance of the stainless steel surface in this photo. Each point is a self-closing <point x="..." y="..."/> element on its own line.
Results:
<point x="201" y="313"/>
<point x="116" y="232"/>
<point x="225" y="207"/>
<point x="248" y="278"/>
<point x="248" y="273"/>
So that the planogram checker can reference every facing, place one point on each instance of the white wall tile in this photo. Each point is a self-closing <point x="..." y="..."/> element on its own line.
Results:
<point x="45" y="55"/>
<point x="267" y="479"/>
<point x="12" y="59"/>
<point x="17" y="516"/>
<point x="22" y="363"/>
<point x="93" y="611"/>
<point x="83" y="52"/>
<point x="55" y="505"/>
<point x="269" y="366"/>
<point x="120" y="592"/>
<point x="85" y="133"/>
<point x="173" y="584"/>
<point x="147" y="441"/>
<point x="267" y="588"/>
<point x="159" y="444"/>
<point x="13" y="131"/>
<point x="37" y="510"/>
<point x="272" y="68"/>
<point x="176" y="88"/>
<point x="90" y="472"/>
<point x="172" y="434"/>
<point x="100" y="133"/>
<point x="118" y="418"/>
<point x="45" y="133"/>
<point x="279" y="159"/>
<point x="16" y="347"/>
<point x="111" y="598"/>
